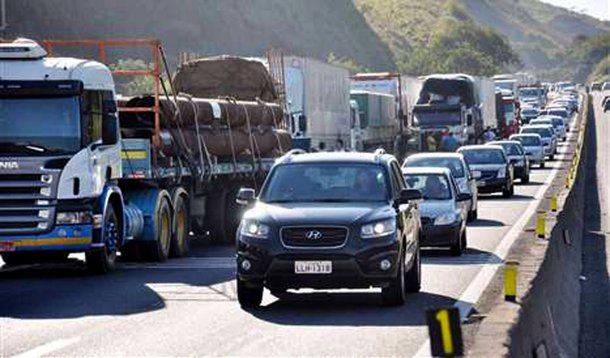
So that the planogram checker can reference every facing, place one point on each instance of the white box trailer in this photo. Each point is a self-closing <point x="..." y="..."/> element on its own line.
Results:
<point x="319" y="93"/>
<point x="487" y="99"/>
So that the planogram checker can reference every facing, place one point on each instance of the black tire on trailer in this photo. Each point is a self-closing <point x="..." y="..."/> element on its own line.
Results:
<point x="181" y="224"/>
<point x="232" y="217"/>
<point x="102" y="260"/>
<point x="215" y="216"/>
<point x="158" y="249"/>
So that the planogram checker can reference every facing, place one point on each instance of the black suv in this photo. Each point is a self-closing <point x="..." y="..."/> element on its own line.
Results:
<point x="330" y="220"/>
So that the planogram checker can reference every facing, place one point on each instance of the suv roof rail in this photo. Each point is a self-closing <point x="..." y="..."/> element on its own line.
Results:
<point x="291" y="153"/>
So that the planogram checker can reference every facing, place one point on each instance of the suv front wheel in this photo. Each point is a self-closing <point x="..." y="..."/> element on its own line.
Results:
<point x="394" y="294"/>
<point x="249" y="296"/>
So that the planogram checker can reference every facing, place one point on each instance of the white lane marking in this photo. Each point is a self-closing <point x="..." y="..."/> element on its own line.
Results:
<point x="477" y="286"/>
<point x="48" y="348"/>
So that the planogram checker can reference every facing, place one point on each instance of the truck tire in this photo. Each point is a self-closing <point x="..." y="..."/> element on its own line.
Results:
<point x="158" y="248"/>
<point x="249" y="296"/>
<point x="102" y="260"/>
<point x="394" y="294"/>
<point x="181" y="224"/>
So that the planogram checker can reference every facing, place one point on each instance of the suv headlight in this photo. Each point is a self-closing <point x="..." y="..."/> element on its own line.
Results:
<point x="445" y="219"/>
<point x="378" y="229"/>
<point x="253" y="228"/>
<point x="73" y="217"/>
<point x="502" y="173"/>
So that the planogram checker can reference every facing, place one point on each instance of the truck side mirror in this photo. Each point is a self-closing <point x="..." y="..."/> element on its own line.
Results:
<point x="110" y="130"/>
<point x="302" y="124"/>
<point x="469" y="119"/>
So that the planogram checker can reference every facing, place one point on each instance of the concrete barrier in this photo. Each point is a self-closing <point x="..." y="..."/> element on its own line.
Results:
<point x="544" y="322"/>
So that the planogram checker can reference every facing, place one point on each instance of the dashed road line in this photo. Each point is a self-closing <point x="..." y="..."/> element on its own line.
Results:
<point x="48" y="348"/>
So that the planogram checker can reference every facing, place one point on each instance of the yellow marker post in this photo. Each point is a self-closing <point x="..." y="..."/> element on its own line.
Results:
<point x="554" y="203"/>
<point x="541" y="226"/>
<point x="510" y="281"/>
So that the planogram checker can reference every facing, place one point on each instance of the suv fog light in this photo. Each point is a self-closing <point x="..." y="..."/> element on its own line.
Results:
<point x="246" y="265"/>
<point x="385" y="264"/>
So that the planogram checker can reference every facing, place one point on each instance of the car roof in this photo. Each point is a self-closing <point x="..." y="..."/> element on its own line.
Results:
<point x="334" y="157"/>
<point x="505" y="141"/>
<point x="537" y="126"/>
<point x="436" y="155"/>
<point x="481" y="147"/>
<point x="525" y="135"/>
<point x="427" y="170"/>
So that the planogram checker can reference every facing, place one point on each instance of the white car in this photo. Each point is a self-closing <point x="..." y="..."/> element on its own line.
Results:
<point x="549" y="139"/>
<point x="534" y="148"/>
<point x="557" y="122"/>
<point x="466" y="180"/>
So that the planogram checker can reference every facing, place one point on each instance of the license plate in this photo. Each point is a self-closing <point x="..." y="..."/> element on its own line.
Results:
<point x="481" y="183"/>
<point x="313" y="267"/>
<point x="6" y="246"/>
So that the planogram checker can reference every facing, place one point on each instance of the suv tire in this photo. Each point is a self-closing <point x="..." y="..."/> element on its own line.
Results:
<point x="394" y="294"/>
<point x="458" y="248"/>
<point x="249" y="297"/>
<point x="413" y="276"/>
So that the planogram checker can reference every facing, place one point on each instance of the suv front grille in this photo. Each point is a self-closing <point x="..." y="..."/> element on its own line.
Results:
<point x="489" y="174"/>
<point x="313" y="236"/>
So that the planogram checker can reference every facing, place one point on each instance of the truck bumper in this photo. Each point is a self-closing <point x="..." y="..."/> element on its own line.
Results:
<point x="74" y="238"/>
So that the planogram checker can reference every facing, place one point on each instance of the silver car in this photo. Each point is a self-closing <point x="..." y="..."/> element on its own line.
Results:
<point x="534" y="148"/>
<point x="466" y="181"/>
<point x="549" y="139"/>
<point x="444" y="209"/>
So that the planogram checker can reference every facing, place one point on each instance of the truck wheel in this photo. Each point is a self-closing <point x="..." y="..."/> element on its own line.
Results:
<point x="248" y="296"/>
<point x="413" y="276"/>
<point x="180" y="238"/>
<point x="102" y="260"/>
<point x="158" y="249"/>
<point x="394" y="294"/>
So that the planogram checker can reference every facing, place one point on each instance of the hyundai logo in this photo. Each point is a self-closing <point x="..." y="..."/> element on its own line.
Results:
<point x="313" y="235"/>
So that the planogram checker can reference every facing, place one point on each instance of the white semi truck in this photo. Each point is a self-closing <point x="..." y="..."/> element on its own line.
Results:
<point x="70" y="183"/>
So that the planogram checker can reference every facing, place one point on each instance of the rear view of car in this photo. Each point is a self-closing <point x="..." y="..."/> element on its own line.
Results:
<point x="496" y="171"/>
<point x="517" y="156"/>
<point x="443" y="211"/>
<point x="557" y="122"/>
<point x="534" y="148"/>
<point x="459" y="169"/>
<point x="549" y="140"/>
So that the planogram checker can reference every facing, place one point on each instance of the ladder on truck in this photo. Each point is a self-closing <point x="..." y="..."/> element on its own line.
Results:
<point x="159" y="66"/>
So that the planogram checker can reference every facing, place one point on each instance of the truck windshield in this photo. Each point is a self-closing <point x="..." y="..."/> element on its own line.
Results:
<point x="42" y="126"/>
<point x="440" y="118"/>
<point x="326" y="182"/>
<point x="529" y="92"/>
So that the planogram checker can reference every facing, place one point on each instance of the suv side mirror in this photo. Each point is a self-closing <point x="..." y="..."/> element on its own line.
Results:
<point x="110" y="130"/>
<point x="245" y="196"/>
<point x="464" y="197"/>
<point x="476" y="174"/>
<point x="407" y="195"/>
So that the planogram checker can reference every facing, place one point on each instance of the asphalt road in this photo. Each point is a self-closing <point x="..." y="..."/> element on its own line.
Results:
<point x="188" y="307"/>
<point x="595" y="294"/>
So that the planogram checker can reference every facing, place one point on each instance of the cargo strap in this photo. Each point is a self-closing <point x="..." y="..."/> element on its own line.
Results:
<point x="200" y="142"/>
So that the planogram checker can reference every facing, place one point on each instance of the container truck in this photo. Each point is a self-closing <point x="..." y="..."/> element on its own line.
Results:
<point x="70" y="183"/>
<point x="377" y="121"/>
<point x="317" y="102"/>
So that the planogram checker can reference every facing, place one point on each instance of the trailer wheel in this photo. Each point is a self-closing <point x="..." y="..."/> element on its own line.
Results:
<point x="102" y="260"/>
<point x="180" y="238"/>
<point x="158" y="249"/>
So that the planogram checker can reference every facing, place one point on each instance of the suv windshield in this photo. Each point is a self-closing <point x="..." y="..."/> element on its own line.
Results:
<point x="39" y="125"/>
<point x="453" y="164"/>
<point x="544" y="132"/>
<point x="432" y="186"/>
<point x="527" y="140"/>
<point x="326" y="182"/>
<point x="483" y="156"/>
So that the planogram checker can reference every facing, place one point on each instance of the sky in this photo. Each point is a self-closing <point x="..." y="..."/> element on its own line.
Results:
<point x="595" y="8"/>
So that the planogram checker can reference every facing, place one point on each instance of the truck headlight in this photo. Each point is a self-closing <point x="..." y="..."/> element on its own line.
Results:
<point x="73" y="217"/>
<point x="445" y="219"/>
<point x="253" y="228"/>
<point x="378" y="229"/>
<point x="502" y="173"/>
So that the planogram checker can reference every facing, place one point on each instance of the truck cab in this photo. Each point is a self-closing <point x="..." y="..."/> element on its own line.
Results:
<point x="60" y="158"/>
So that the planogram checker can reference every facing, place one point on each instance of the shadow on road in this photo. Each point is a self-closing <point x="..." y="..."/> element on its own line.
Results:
<point x="486" y="223"/>
<point x="348" y="309"/>
<point x="471" y="256"/>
